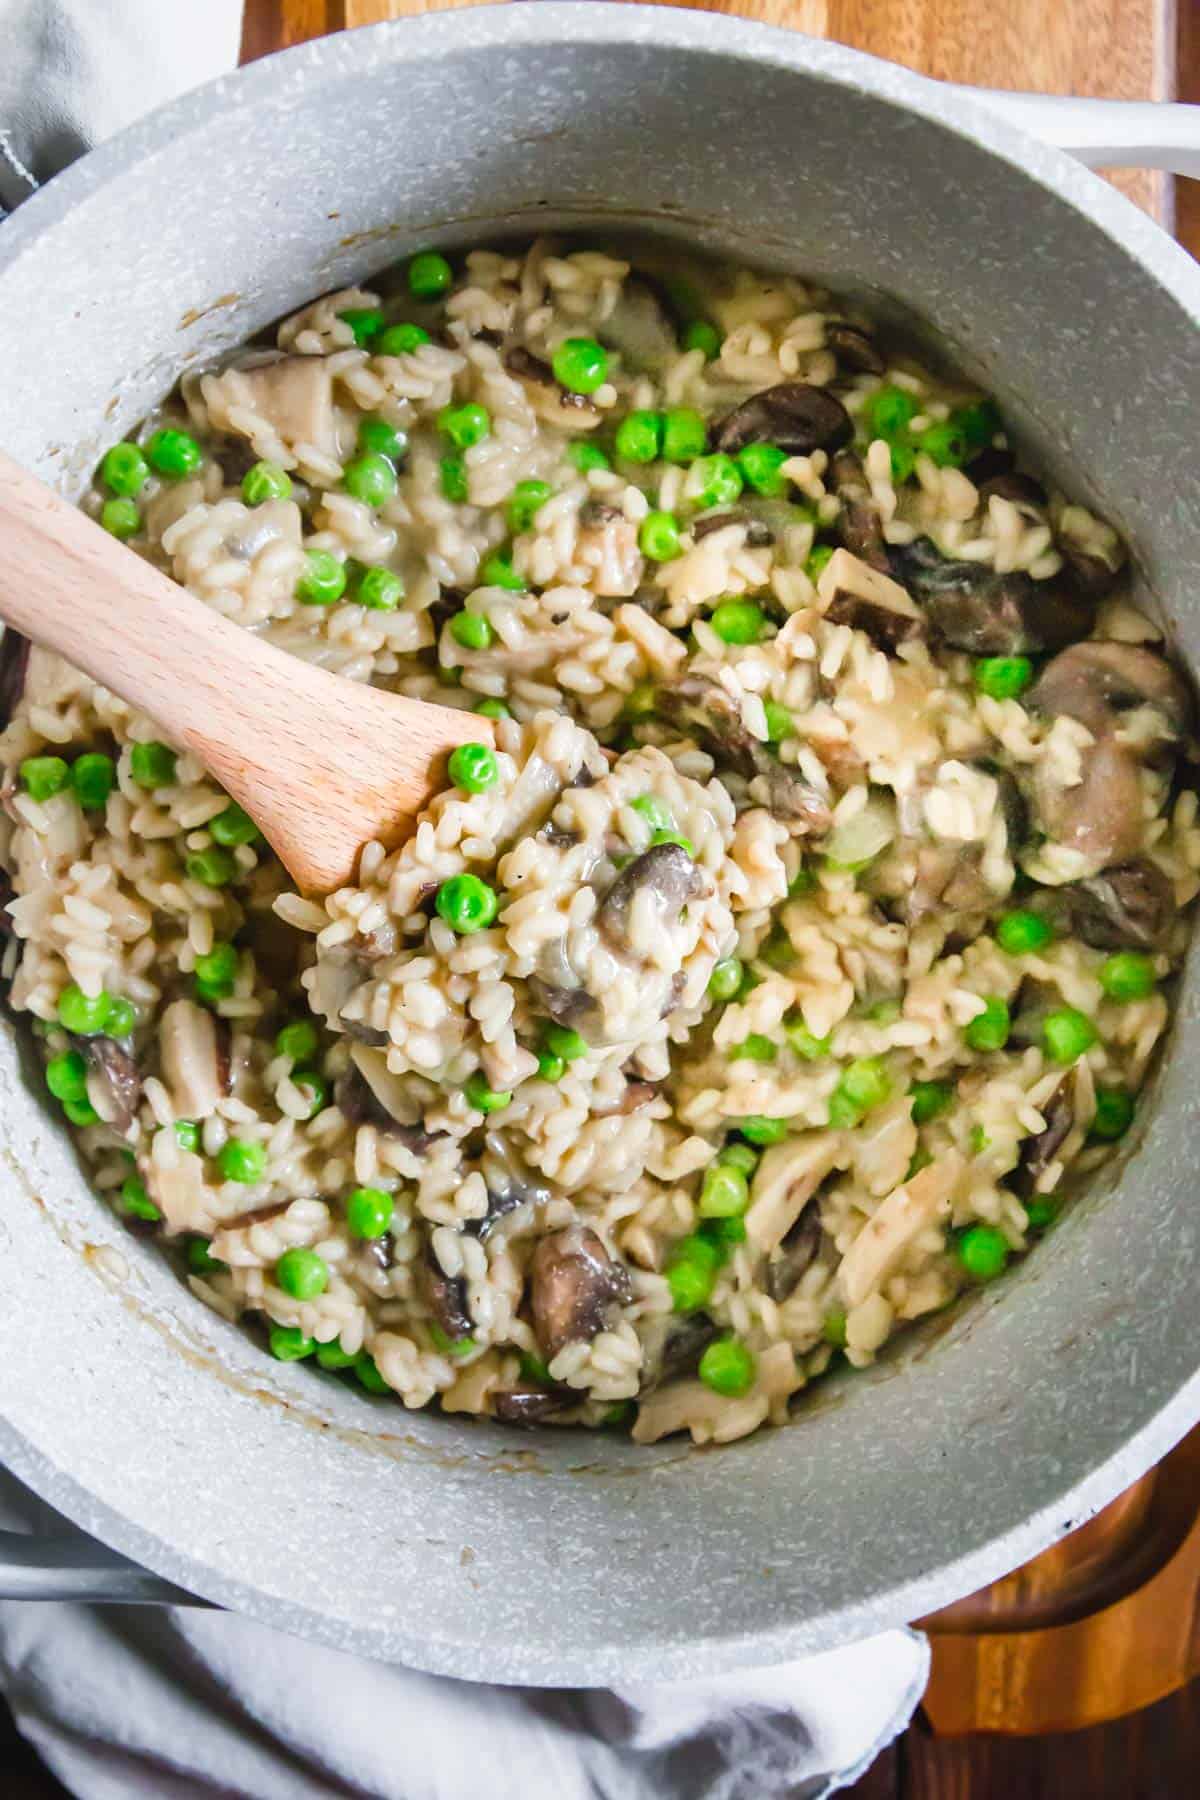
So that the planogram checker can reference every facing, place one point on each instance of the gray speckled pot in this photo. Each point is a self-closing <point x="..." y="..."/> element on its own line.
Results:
<point x="560" y="1559"/>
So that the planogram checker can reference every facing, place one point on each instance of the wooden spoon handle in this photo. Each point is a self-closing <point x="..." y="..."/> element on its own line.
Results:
<point x="320" y="763"/>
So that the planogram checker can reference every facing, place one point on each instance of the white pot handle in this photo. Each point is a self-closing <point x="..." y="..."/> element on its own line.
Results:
<point x="1119" y="134"/>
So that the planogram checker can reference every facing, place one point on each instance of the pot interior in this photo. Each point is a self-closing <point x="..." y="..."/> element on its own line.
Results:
<point x="564" y="1557"/>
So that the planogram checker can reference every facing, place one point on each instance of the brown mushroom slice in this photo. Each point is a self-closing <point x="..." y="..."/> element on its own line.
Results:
<point x="852" y="593"/>
<point x="794" y="415"/>
<point x="1038" y="1152"/>
<point x="1100" y="684"/>
<point x="295" y="395"/>
<point x="608" y="543"/>
<point x="859" y="525"/>
<point x="553" y="404"/>
<point x="704" y="710"/>
<point x="1019" y="490"/>
<point x="795" y="1255"/>
<point x="14" y="665"/>
<point x="787" y="1177"/>
<point x="360" y="1107"/>
<point x="530" y="1405"/>
<point x="764" y="520"/>
<point x="1130" y="907"/>
<point x="446" y="1297"/>
<point x="971" y="607"/>
<point x="853" y="348"/>
<point x="192" y="1068"/>
<point x="665" y="872"/>
<point x="672" y="1347"/>
<point x="574" y="1283"/>
<point x="1099" y="816"/>
<point x="114" y="1082"/>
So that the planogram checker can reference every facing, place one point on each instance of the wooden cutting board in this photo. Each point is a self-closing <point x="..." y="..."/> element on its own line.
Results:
<point x="1107" y="1621"/>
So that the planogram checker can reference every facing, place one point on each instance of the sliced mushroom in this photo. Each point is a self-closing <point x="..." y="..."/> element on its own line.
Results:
<point x="359" y="1098"/>
<point x="852" y="593"/>
<point x="853" y="348"/>
<point x="787" y="1177"/>
<point x="1100" y="816"/>
<point x="764" y="520"/>
<point x="1039" y="1151"/>
<point x="666" y="873"/>
<point x="885" y="1237"/>
<point x="704" y="709"/>
<point x="295" y="396"/>
<point x="1101" y="683"/>
<point x="973" y="608"/>
<point x="565" y="1005"/>
<point x="191" y="1059"/>
<point x="1126" y="908"/>
<point x="574" y="1283"/>
<point x="14" y="663"/>
<point x="114" y="1083"/>
<point x="530" y="1405"/>
<point x="796" y="416"/>
<point x="608" y="543"/>
<point x="795" y="1254"/>
<point x="553" y="404"/>
<point x="672" y="1348"/>
<point x="276" y="521"/>
<point x="859" y="524"/>
<point x="446" y="1297"/>
<point x="339" y="975"/>
<point x="1020" y="490"/>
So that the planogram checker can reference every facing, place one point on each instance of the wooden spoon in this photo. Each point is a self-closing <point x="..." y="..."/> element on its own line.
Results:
<point x="322" y="765"/>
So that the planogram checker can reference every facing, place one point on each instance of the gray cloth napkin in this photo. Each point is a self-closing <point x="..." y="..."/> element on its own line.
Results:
<point x="181" y="1704"/>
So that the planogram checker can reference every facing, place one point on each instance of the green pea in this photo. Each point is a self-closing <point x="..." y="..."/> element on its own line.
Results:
<point x="804" y="1042"/>
<point x="755" y="1048"/>
<point x="978" y="422"/>
<point x="383" y="438"/>
<point x="658" y="537"/>
<point x="1067" y="1034"/>
<point x="724" y="1233"/>
<point x="989" y="1029"/>
<point x="652" y="809"/>
<point x="135" y="1202"/>
<point x="214" y="868"/>
<point x="481" y="1097"/>
<point x="700" y="335"/>
<point x="448" y="1346"/>
<point x="525" y="502"/>
<point x="550" y="1066"/>
<point x="929" y="1100"/>
<point x="762" y="469"/>
<point x="780" y="723"/>
<point x="890" y="411"/>
<point x="367" y="1371"/>
<point x="641" y="701"/>
<point x="903" y="459"/>
<point x="473" y="767"/>
<point x="453" y="476"/>
<point x="691" y="1272"/>
<point x="1021" y="933"/>
<point x="978" y="1140"/>
<point x="298" y="1040"/>
<point x="370" y="478"/>
<point x="266" y="481"/>
<point x="1114" y="1114"/>
<point x="380" y="589"/>
<point x="1040" y="1212"/>
<point x="493" y="709"/>
<point x="467" y="904"/>
<point x="315" y="1085"/>
<point x="200" y="1259"/>
<point x="674" y="837"/>
<point x="152" y="765"/>
<point x="401" y="340"/>
<point x="580" y="365"/>
<point x="332" y="1356"/>
<point x="324" y="579"/>
<point x="121" y="518"/>
<point x="302" y="1274"/>
<point x="465" y="425"/>
<point x="174" y="454"/>
<point x="533" y="1369"/>
<point x="728" y="1368"/>
<point x="944" y="443"/>
<point x="866" y="1083"/>
<point x="370" y="1213"/>
<point x="685" y="435"/>
<point x="817" y="560"/>
<point x="81" y="1112"/>
<point x="471" y="630"/>
<point x="760" y="1130"/>
<point x="834" y="1328"/>
<point x="983" y="1252"/>
<point x="1129" y="975"/>
<point x="738" y="621"/>
<point x="234" y="826"/>
<point x="66" y="1076"/>
<point x="585" y="456"/>
<point x="497" y="570"/>
<point x="565" y="1041"/>
<point x="724" y="1193"/>
<point x="289" y="1344"/>
<point x="93" y="778"/>
<point x="125" y="471"/>
<point x="726" y="978"/>
<point x="429" y="275"/>
<point x="738" y="1156"/>
<point x="240" y="1160"/>
<point x="366" y="323"/>
<point x="44" y="776"/>
<point x="83" y="1015"/>
<point x="714" y="481"/>
<point x="449" y="677"/>
<point x="1003" y="677"/>
<point x="802" y="882"/>
<point x="187" y="1135"/>
<point x="639" y="437"/>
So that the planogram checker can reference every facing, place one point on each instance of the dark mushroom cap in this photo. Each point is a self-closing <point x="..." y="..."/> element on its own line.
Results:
<point x="1130" y="907"/>
<point x="699" y="706"/>
<point x="973" y="608"/>
<point x="795" y="1254"/>
<point x="1100" y="815"/>
<point x="794" y="415"/>
<point x="530" y="1405"/>
<point x="1097" y="683"/>
<point x="853" y="348"/>
<point x="672" y="1348"/>
<point x="573" y="1283"/>
<point x="666" y="871"/>
<point x="114" y="1067"/>
<point x="1039" y="1151"/>
<point x="446" y="1297"/>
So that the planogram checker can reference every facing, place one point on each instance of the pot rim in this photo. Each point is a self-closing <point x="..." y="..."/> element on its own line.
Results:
<point x="493" y="27"/>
